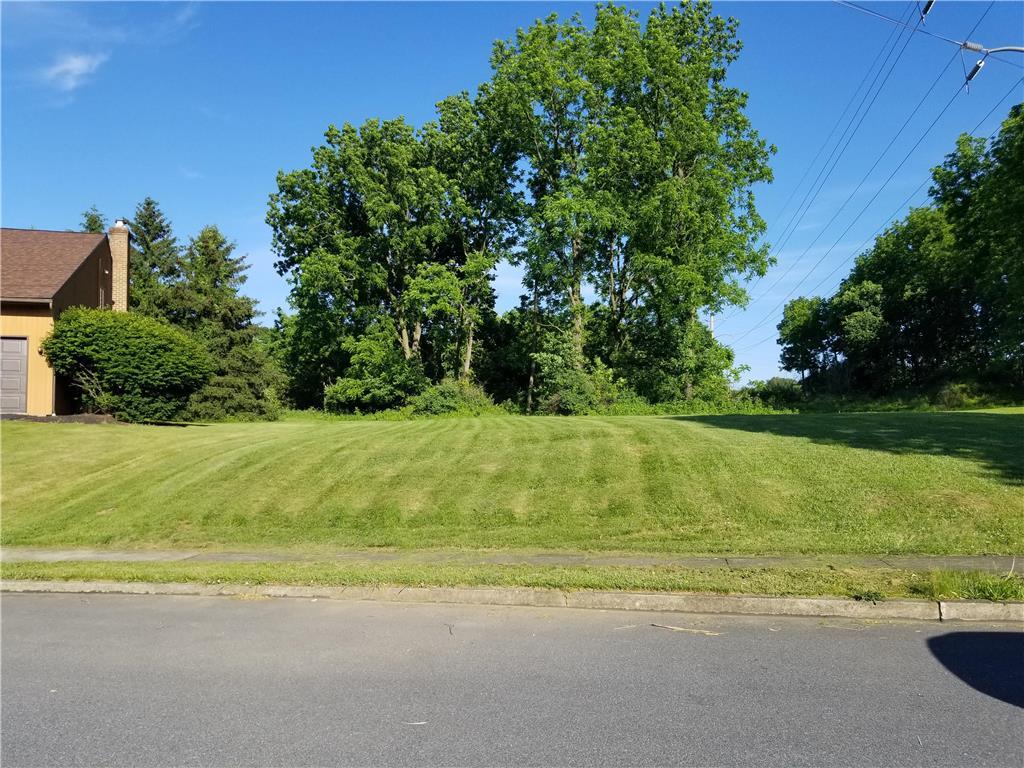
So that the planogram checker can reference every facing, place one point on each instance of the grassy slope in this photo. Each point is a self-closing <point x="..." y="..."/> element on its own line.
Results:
<point x="850" y="483"/>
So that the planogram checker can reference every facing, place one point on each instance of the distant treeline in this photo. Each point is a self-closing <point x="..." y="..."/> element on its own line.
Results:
<point x="939" y="298"/>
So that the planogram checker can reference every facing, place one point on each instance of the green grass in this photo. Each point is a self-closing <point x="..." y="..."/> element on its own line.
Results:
<point x="929" y="483"/>
<point x="865" y="584"/>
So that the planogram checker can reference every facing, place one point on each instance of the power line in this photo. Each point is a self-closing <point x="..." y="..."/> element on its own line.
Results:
<point x="857" y="217"/>
<point x="885" y="151"/>
<point x="847" y="135"/>
<point x="860" y="184"/>
<point x="842" y="207"/>
<point x="856" y="251"/>
<point x="926" y="181"/>
<point x="963" y="44"/>
<point x="865" y="178"/>
<point x="915" y="28"/>
<point x="878" y="57"/>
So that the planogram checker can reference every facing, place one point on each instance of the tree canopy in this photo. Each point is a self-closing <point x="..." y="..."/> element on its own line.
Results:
<point x="939" y="297"/>
<point x="197" y="290"/>
<point x="611" y="161"/>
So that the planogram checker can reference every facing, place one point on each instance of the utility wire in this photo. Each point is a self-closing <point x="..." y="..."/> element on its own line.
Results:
<point x="860" y="184"/>
<point x="906" y="122"/>
<point x="888" y="219"/>
<point x="855" y="218"/>
<point x="847" y="136"/>
<point x="917" y="28"/>
<point x="874" y="165"/>
<point x="926" y="181"/>
<point x="853" y="97"/>
<point x="892" y="141"/>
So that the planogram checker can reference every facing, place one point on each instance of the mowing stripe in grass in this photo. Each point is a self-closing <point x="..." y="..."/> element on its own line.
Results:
<point x="865" y="483"/>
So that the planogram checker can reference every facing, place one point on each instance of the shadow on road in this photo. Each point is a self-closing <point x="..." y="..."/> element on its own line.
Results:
<point x="994" y="440"/>
<point x="990" y="662"/>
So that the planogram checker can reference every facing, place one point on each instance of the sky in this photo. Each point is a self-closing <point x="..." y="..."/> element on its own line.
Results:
<point x="200" y="105"/>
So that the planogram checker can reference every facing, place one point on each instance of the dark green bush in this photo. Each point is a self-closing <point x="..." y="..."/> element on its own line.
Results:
<point x="452" y="397"/>
<point x="127" y="365"/>
<point x="378" y="377"/>
<point x="778" y="392"/>
<point x="244" y="387"/>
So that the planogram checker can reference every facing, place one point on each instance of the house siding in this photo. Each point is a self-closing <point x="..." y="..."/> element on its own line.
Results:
<point x="89" y="282"/>
<point x="33" y="322"/>
<point x="90" y="285"/>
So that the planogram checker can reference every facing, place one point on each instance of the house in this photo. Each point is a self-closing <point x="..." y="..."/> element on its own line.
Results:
<point x="42" y="273"/>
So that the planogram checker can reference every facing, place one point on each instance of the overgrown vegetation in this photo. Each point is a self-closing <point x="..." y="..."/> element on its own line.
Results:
<point x="609" y="160"/>
<point x="935" y="310"/>
<point x="133" y="367"/>
<point x="963" y="585"/>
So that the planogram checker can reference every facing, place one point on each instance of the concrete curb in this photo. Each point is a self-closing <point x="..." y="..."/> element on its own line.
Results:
<point x="552" y="598"/>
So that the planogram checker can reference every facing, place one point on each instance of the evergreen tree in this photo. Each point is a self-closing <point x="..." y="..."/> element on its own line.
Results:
<point x="93" y="221"/>
<point x="206" y="301"/>
<point x="153" y="262"/>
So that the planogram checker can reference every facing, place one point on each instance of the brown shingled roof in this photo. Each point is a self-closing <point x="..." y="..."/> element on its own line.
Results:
<point x="35" y="264"/>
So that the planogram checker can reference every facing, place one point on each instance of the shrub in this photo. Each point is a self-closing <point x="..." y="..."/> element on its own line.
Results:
<point x="132" y="367"/>
<point x="571" y="385"/>
<point x="233" y="398"/>
<point x="778" y="392"/>
<point x="245" y="387"/>
<point x="451" y="396"/>
<point x="959" y="395"/>
<point x="378" y="376"/>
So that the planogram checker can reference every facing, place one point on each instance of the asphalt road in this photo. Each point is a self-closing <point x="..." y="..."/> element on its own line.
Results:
<point x="147" y="681"/>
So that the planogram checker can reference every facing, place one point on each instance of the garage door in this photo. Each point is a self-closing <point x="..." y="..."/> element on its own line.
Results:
<point x="13" y="375"/>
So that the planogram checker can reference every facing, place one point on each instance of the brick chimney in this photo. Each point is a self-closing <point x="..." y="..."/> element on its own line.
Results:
<point x="118" y="237"/>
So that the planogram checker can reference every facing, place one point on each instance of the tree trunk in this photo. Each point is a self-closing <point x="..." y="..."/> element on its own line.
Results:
<point x="417" y="332"/>
<point x="576" y="299"/>
<point x="611" y="277"/>
<point x="467" y="360"/>
<point x="403" y="337"/>
<point x="536" y="339"/>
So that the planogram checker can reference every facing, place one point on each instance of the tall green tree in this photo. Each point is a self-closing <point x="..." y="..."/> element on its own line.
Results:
<point x="611" y="161"/>
<point x="93" y="221"/>
<point x="540" y="87"/>
<point x="398" y="229"/>
<point x="363" y="233"/>
<point x="153" y="261"/>
<point x="979" y="190"/>
<point x="207" y="301"/>
<point x="641" y="165"/>
<point x="474" y="151"/>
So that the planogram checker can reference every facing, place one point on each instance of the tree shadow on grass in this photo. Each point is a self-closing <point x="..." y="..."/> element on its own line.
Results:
<point x="990" y="662"/>
<point x="994" y="440"/>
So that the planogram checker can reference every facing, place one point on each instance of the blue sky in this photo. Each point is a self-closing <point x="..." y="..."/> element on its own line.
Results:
<point x="200" y="105"/>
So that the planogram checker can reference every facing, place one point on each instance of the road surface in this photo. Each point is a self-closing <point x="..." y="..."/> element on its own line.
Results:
<point x="151" y="681"/>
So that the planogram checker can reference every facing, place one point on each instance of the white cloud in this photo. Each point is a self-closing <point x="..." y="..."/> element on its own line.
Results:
<point x="71" y="70"/>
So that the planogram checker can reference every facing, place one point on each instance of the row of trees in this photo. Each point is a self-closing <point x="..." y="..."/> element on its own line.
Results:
<point x="612" y="163"/>
<point x="939" y="298"/>
<point x="197" y="288"/>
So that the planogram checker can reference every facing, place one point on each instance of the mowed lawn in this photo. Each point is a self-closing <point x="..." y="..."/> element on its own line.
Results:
<point x="838" y="483"/>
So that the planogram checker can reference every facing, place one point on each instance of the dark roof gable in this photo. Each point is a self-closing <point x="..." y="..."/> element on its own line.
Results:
<point x="35" y="264"/>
